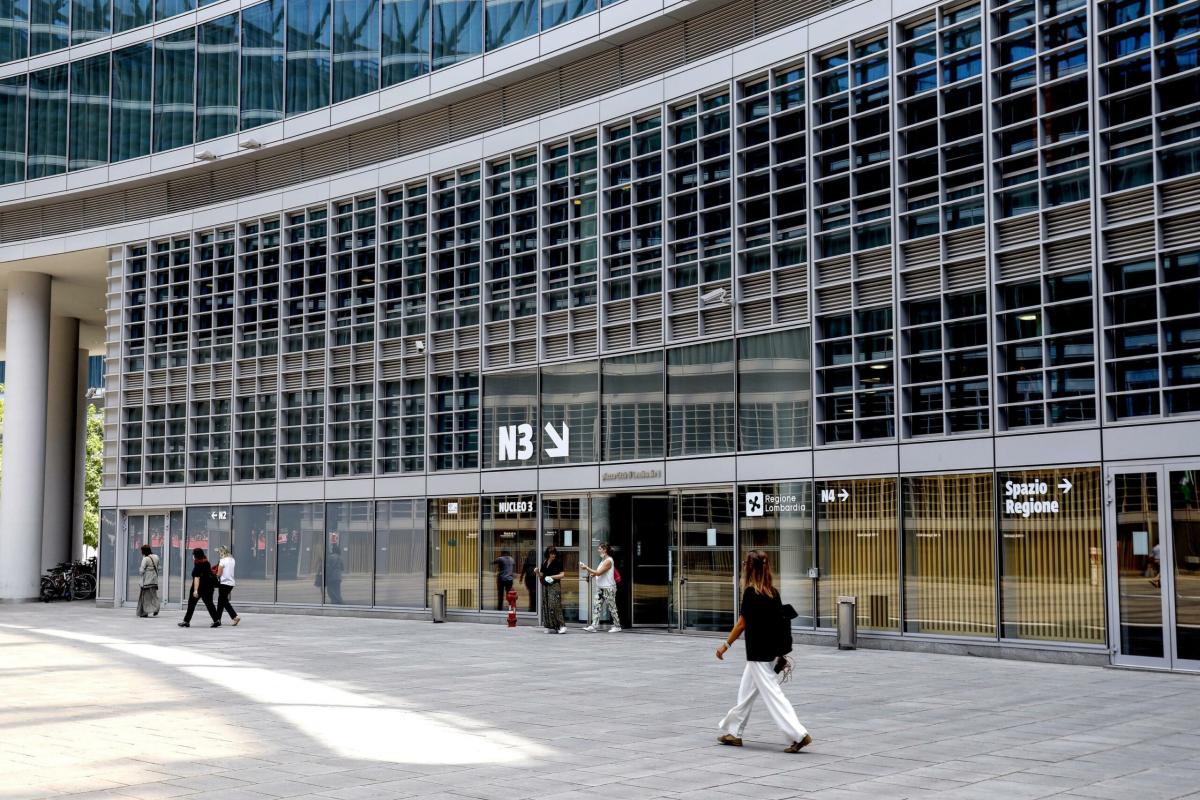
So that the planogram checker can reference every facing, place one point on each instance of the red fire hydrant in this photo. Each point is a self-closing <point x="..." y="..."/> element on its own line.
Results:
<point x="511" y="597"/>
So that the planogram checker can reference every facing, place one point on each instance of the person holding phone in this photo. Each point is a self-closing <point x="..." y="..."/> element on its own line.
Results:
<point x="606" y="590"/>
<point x="551" y="574"/>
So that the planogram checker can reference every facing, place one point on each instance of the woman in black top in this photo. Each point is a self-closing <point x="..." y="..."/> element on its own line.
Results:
<point x="765" y="627"/>
<point x="202" y="589"/>
<point x="551" y="573"/>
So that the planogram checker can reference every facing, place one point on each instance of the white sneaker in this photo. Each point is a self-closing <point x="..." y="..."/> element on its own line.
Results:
<point x="548" y="630"/>
<point x="590" y="629"/>
<point x="615" y="629"/>
<point x="563" y="629"/>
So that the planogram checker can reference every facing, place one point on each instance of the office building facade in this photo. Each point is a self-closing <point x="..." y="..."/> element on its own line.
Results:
<point x="906" y="294"/>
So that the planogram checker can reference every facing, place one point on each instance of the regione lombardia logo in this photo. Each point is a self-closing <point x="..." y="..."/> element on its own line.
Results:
<point x="754" y="504"/>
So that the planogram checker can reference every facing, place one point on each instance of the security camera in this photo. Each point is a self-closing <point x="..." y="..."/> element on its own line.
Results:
<point x="206" y="155"/>
<point x="420" y="345"/>
<point x="713" y="297"/>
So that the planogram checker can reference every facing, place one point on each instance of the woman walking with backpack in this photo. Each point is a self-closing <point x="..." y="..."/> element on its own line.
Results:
<point x="606" y="590"/>
<point x="768" y="640"/>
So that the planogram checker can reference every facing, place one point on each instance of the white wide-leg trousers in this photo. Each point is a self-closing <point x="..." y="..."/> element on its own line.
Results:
<point x="760" y="679"/>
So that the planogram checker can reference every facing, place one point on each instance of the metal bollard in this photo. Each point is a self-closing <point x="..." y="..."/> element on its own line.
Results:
<point x="437" y="604"/>
<point x="847" y="623"/>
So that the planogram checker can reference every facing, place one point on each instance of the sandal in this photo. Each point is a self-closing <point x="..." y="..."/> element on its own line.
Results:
<point x="730" y="739"/>
<point x="796" y="747"/>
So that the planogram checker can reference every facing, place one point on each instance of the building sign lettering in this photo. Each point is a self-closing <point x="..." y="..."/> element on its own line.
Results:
<point x="760" y="503"/>
<point x="515" y="442"/>
<point x="632" y="475"/>
<point x="1030" y="498"/>
<point x="514" y="506"/>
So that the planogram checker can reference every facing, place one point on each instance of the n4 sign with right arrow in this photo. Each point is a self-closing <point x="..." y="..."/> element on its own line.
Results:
<point x="834" y="495"/>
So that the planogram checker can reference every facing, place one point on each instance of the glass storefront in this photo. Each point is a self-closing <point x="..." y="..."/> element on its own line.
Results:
<point x="705" y="537"/>
<point x="400" y="553"/>
<point x="207" y="528"/>
<point x="254" y="551"/>
<point x="301" y="549"/>
<point x="454" y="551"/>
<point x="777" y="518"/>
<point x="564" y="525"/>
<point x="509" y="535"/>
<point x="348" y="553"/>
<point x="858" y="550"/>
<point x="107" y="554"/>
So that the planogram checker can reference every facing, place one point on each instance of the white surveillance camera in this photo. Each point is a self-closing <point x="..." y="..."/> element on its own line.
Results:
<point x="713" y="297"/>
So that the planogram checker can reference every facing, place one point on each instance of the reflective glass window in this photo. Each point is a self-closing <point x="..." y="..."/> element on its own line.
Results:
<point x="632" y="406"/>
<point x="510" y="435"/>
<point x="400" y="553"/>
<point x="47" y="122"/>
<point x="131" y="14"/>
<point x="132" y="97"/>
<point x="509" y="533"/>
<point x="348" y="553"/>
<point x="858" y="550"/>
<point x="174" y="78"/>
<point x="569" y="406"/>
<point x="454" y="550"/>
<point x="300" y="549"/>
<point x="355" y="48"/>
<point x="217" y="78"/>
<point x="14" y="29"/>
<point x="774" y="391"/>
<point x="557" y="12"/>
<point x="510" y="21"/>
<point x="14" y="96"/>
<point x="457" y="31"/>
<point x="405" y="40"/>
<point x="90" y="19"/>
<point x="1051" y="566"/>
<point x="778" y="519"/>
<point x="308" y="56"/>
<point x="107" y="555"/>
<point x="169" y="8"/>
<point x="207" y="528"/>
<point x="254" y="538"/>
<point x="49" y="25"/>
<point x="89" y="112"/>
<point x="700" y="398"/>
<point x="262" y="64"/>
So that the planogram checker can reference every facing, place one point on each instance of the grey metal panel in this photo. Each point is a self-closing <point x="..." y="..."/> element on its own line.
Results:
<point x="775" y="466"/>
<point x="108" y="498"/>
<point x="453" y="483"/>
<point x="163" y="497"/>
<point x="208" y="494"/>
<point x="633" y="473"/>
<point x="356" y="487"/>
<point x="1054" y="447"/>
<point x="301" y="490"/>
<point x="1161" y="440"/>
<point x="407" y="486"/>
<point x="253" y="493"/>
<point x="129" y="498"/>
<point x="860" y="460"/>
<point x="509" y="480"/>
<point x="721" y="469"/>
<point x="554" y="478"/>
<point x="946" y="456"/>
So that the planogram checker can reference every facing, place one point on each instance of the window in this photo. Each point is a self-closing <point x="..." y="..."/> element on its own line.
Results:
<point x="262" y="64"/>
<point x="14" y="97"/>
<point x="569" y="400"/>
<point x="300" y="553"/>
<point x="777" y="518"/>
<point x="355" y="48"/>
<point x="509" y="529"/>
<point x="557" y="12"/>
<point x="457" y="31"/>
<point x="217" y="78"/>
<point x="349" y="550"/>
<point x="174" y="75"/>
<point x="308" y="55"/>
<point x="400" y="553"/>
<point x="254" y="542"/>
<point x="858" y="550"/>
<point x="510" y="21"/>
<point x="632" y="406"/>
<point x="47" y="122"/>
<point x="405" y="40"/>
<point x="454" y="551"/>
<point x="774" y="391"/>
<point x="510" y="430"/>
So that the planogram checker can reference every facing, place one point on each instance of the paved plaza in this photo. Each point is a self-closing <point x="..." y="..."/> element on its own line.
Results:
<point x="99" y="704"/>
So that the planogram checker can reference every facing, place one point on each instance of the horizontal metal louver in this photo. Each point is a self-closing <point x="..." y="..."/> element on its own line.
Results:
<point x="247" y="367"/>
<point x="391" y="370"/>
<point x="496" y="355"/>
<point x="525" y="327"/>
<point x="375" y="145"/>
<point x="756" y="314"/>
<point x="246" y="386"/>
<point x="221" y="372"/>
<point x="223" y="388"/>
<point x="590" y="77"/>
<point x="292" y="362"/>
<point x="965" y="243"/>
<point x="554" y="323"/>
<point x="618" y="312"/>
<point x="969" y="275"/>
<point x="617" y="337"/>
<point x="1178" y="231"/>
<point x="921" y="282"/>
<point x="98" y="211"/>
<point x="132" y="397"/>
<point x="24" y="223"/>
<point x="325" y="158"/>
<point x="477" y="115"/>
<point x="188" y="192"/>
<point x="531" y="97"/>
<point x="314" y="359"/>
<point x="1019" y="263"/>
<point x="711" y="32"/>
<point x="525" y="352"/>
<point x="201" y="391"/>
<point x="683" y="300"/>
<point x="772" y="14"/>
<point x="443" y="362"/>
<point x="339" y="375"/>
<point x="135" y="380"/>
<point x="1129" y="205"/>
<point x="875" y="292"/>
<point x="715" y="321"/>
<point x="158" y="378"/>
<point x="927" y="251"/>
<point x="268" y="383"/>
<point x="833" y="271"/>
<point x="836" y="298"/>
<point x="427" y="130"/>
<point x="177" y="394"/>
<point x="1184" y="193"/>
<point x="442" y="341"/>
<point x="339" y="356"/>
<point x="653" y="54"/>
<point x="792" y="308"/>
<point x="1061" y="221"/>
<point x="363" y="372"/>
<point x="314" y="379"/>
<point x="1071" y="254"/>
<point x="555" y="346"/>
<point x="391" y="349"/>
<point x="1134" y="240"/>
<point x="583" y="343"/>
<point x="644" y="307"/>
<point x="583" y="317"/>
<point x="231" y="183"/>
<point x="292" y="380"/>
<point x="874" y="263"/>
<point x="647" y="332"/>
<point x="757" y="285"/>
<point x="1018" y="231"/>
<point x="414" y="367"/>
<point x="158" y="395"/>
<point x="277" y="171"/>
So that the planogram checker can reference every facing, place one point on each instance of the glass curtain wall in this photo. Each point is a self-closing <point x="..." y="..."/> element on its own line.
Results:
<point x="454" y="551"/>
<point x="858" y="548"/>
<point x="90" y="19"/>
<point x="632" y="406"/>
<point x="49" y="25"/>
<point x="778" y="519"/>
<point x="558" y="12"/>
<point x="510" y="436"/>
<point x="405" y="40"/>
<point x="308" y="56"/>
<point x="949" y="555"/>
<point x="301" y="550"/>
<point x="348" y="553"/>
<point x="569" y="397"/>
<point x="132" y="101"/>
<point x="261" y="87"/>
<point x="47" y="122"/>
<point x="774" y="391"/>
<point x="509" y="533"/>
<point x="207" y="527"/>
<point x="254" y="539"/>
<point x="400" y="553"/>
<point x="89" y="113"/>
<point x="14" y="99"/>
<point x="565" y="525"/>
<point x="457" y="31"/>
<point x="174" y="81"/>
<point x="701" y="385"/>
<point x="355" y="48"/>
<point x="14" y="29"/>
<point x="509" y="21"/>
<point x="1051" y="563"/>
<point x="129" y="14"/>
<point x="217" y="78"/>
<point x="106" y="569"/>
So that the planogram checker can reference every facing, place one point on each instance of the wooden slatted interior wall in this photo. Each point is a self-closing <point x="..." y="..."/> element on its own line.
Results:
<point x="454" y="559"/>
<point x="860" y="554"/>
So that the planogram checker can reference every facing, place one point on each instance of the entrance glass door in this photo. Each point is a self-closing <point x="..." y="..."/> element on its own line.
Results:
<point x="704" y="578"/>
<point x="1154" y="536"/>
<point x="652" y="559"/>
<point x="144" y="529"/>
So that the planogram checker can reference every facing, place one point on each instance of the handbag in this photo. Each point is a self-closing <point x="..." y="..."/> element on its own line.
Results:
<point x="616" y="574"/>
<point x="787" y="613"/>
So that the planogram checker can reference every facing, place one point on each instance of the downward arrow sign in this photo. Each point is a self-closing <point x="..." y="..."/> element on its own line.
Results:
<point x="561" y="443"/>
<point x="1065" y="485"/>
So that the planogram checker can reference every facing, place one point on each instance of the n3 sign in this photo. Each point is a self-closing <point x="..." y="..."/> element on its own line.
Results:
<point x="515" y="442"/>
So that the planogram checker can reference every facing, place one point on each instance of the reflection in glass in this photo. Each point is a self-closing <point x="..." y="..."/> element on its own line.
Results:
<point x="632" y="389"/>
<point x="169" y="8"/>
<point x="774" y="390"/>
<point x="457" y="31"/>
<point x="777" y="518"/>
<point x="509" y="534"/>
<point x="405" y="40"/>
<point x="262" y="64"/>
<point x="47" y="122"/>
<point x="348" y="553"/>
<point x="132" y="97"/>
<point x="107" y="555"/>
<point x="400" y="553"/>
<point x="131" y="14"/>
<point x="14" y="32"/>
<point x="14" y="96"/>
<point x="949" y="555"/>
<point x="1185" y="542"/>
<point x="355" y="48"/>
<point x="704" y="577"/>
<point x="557" y="12"/>
<point x="89" y="113"/>
<point x="217" y="79"/>
<point x="135" y="527"/>
<point x="858" y="550"/>
<point x="1051" y="567"/>
<point x="89" y="20"/>
<point x="509" y="21"/>
<point x="454" y="551"/>
<point x="254" y="550"/>
<point x="300" y="547"/>
<point x="205" y="529"/>
<point x="569" y="397"/>
<point x="174" y="77"/>
<point x="564" y="525"/>
<point x="308" y="57"/>
<point x="49" y="26"/>
<point x="510" y="403"/>
<point x="700" y="398"/>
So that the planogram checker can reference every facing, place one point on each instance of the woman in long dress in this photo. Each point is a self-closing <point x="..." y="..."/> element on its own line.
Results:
<point x="148" y="600"/>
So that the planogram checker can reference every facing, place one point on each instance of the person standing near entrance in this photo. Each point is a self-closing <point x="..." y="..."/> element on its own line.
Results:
<point x="148" y="601"/>
<point x="551" y="573"/>
<point x="504" y="565"/>
<point x="225" y="583"/>
<point x="202" y="589"/>
<point x="529" y="577"/>
<point x="605" y="574"/>
<point x="767" y="642"/>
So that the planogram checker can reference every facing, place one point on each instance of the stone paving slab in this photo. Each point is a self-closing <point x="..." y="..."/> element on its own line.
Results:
<point x="99" y="704"/>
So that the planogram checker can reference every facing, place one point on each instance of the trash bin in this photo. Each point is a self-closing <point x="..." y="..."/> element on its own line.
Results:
<point x="847" y="623"/>
<point x="437" y="602"/>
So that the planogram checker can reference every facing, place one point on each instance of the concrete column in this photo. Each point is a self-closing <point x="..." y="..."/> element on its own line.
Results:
<point x="62" y="403"/>
<point x="23" y="490"/>
<point x="81" y="382"/>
